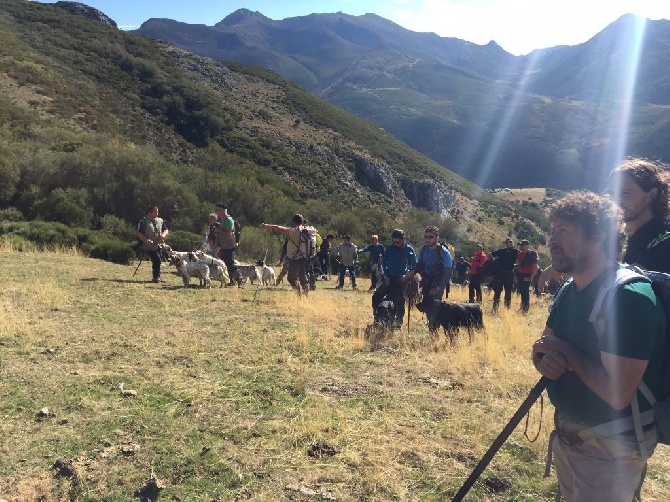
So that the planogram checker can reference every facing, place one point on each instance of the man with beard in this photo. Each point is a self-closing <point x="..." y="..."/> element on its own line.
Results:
<point x="640" y="187"/>
<point x="595" y="373"/>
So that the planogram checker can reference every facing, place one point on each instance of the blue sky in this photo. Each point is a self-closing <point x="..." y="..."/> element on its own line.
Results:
<point x="519" y="26"/>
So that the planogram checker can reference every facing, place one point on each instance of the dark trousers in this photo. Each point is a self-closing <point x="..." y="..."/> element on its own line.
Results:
<point x="395" y="291"/>
<point x="155" y="257"/>
<point x="503" y="280"/>
<point x="523" y="283"/>
<point x="344" y="269"/>
<point x="228" y="257"/>
<point x="297" y="275"/>
<point x="323" y="263"/>
<point x="475" y="288"/>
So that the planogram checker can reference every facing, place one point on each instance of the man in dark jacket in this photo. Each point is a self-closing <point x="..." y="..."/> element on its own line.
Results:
<point x="504" y="277"/>
<point x="640" y="187"/>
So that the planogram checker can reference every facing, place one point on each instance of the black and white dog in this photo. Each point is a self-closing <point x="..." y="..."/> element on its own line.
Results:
<point x="386" y="313"/>
<point x="452" y="316"/>
<point x="188" y="269"/>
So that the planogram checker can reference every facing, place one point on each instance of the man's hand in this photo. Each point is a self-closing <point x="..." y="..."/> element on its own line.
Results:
<point x="548" y="358"/>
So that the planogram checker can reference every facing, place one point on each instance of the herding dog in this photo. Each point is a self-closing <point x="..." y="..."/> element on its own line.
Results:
<point x="248" y="272"/>
<point x="267" y="274"/>
<point x="386" y="313"/>
<point x="188" y="269"/>
<point x="452" y="316"/>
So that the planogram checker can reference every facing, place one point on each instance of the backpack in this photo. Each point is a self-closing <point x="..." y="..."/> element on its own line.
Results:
<point x="307" y="244"/>
<point x="529" y="258"/>
<point x="438" y="258"/>
<point x="238" y="231"/>
<point x="660" y="413"/>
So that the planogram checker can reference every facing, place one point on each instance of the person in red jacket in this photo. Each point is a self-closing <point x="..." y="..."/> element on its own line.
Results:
<point x="476" y="262"/>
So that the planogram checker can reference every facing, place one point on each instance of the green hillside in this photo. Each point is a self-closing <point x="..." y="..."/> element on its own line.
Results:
<point x="97" y="123"/>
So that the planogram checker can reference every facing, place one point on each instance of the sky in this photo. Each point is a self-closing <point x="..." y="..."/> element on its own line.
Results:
<point x="518" y="26"/>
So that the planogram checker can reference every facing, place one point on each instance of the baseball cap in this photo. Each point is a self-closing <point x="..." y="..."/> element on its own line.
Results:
<point x="221" y="205"/>
<point x="524" y="242"/>
<point x="297" y="218"/>
<point x="508" y="240"/>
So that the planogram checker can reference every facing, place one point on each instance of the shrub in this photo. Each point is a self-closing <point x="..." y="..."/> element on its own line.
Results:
<point x="112" y="250"/>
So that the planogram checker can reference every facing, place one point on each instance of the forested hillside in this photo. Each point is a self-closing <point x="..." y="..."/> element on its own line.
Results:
<point x="97" y="123"/>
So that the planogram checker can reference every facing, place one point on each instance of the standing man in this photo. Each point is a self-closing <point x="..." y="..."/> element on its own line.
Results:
<point x="596" y="367"/>
<point x="347" y="256"/>
<point x="399" y="259"/>
<point x="475" y="286"/>
<point x="227" y="243"/>
<point x="296" y="255"/>
<point x="640" y="187"/>
<point x="324" y="255"/>
<point x="152" y="230"/>
<point x="376" y="251"/>
<point x="434" y="265"/>
<point x="461" y="268"/>
<point x="504" y="277"/>
<point x="527" y="266"/>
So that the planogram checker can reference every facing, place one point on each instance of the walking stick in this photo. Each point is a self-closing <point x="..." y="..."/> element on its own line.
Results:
<point x="502" y="437"/>
<point x="138" y="265"/>
<point x="409" y="305"/>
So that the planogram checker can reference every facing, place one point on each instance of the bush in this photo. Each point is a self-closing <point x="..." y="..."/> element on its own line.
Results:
<point x="112" y="250"/>
<point x="42" y="233"/>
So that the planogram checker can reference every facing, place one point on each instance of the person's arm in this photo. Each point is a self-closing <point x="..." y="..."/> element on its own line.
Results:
<point x="141" y="229"/>
<point x="275" y="228"/>
<point x="613" y="378"/>
<point x="164" y="232"/>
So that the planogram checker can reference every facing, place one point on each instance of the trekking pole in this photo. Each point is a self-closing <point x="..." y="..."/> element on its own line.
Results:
<point x="409" y="305"/>
<point x="533" y="395"/>
<point x="138" y="265"/>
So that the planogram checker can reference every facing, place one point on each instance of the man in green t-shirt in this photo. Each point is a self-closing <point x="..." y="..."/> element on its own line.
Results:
<point x="225" y="239"/>
<point x="595" y="371"/>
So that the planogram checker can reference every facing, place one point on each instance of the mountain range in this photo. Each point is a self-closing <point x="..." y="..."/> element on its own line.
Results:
<point x="559" y="117"/>
<point x="98" y="122"/>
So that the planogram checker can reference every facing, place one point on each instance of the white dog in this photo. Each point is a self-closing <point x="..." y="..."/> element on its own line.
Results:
<point x="188" y="269"/>
<point x="217" y="269"/>
<point x="267" y="274"/>
<point x="249" y="272"/>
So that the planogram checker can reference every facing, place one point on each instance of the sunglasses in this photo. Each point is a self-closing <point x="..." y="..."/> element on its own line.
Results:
<point x="396" y="241"/>
<point x="429" y="236"/>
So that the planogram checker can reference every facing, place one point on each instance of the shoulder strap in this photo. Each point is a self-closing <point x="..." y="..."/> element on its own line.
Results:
<point x="621" y="276"/>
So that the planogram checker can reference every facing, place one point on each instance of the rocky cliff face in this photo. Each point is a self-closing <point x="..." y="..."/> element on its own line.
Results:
<point x="80" y="9"/>
<point x="429" y="194"/>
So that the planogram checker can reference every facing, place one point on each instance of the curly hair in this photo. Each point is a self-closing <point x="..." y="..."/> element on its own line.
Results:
<point x="432" y="229"/>
<point x="648" y="174"/>
<point x="596" y="215"/>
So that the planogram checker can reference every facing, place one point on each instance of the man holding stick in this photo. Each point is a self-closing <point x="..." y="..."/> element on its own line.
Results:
<point x="596" y="366"/>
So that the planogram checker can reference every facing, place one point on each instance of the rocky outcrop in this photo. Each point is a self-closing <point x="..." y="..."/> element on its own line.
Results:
<point x="80" y="9"/>
<point x="376" y="177"/>
<point x="428" y="194"/>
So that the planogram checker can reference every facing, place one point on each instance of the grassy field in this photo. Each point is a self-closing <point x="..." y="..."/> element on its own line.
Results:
<point x="233" y="394"/>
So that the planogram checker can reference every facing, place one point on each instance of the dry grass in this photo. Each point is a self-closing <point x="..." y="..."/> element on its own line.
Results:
<point x="536" y="195"/>
<point x="253" y="394"/>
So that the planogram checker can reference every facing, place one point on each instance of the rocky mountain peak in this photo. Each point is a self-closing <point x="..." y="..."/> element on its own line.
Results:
<point x="80" y="9"/>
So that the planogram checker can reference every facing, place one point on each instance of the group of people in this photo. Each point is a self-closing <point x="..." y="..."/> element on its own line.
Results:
<point x="594" y="368"/>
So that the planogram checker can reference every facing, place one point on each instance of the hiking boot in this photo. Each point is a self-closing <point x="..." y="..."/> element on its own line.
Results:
<point x="157" y="279"/>
<point x="338" y="287"/>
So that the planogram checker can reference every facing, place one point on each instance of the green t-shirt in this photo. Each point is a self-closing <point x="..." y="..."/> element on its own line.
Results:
<point x="635" y="328"/>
